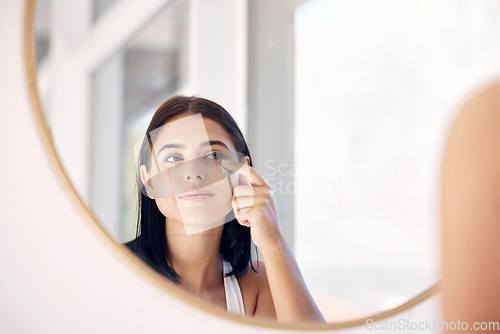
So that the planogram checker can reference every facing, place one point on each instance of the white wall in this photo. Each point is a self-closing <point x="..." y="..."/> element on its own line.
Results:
<point x="56" y="273"/>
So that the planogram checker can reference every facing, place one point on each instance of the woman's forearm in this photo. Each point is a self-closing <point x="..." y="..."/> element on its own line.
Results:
<point x="292" y="300"/>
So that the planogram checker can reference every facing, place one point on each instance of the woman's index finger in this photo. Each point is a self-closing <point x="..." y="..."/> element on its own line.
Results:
<point x="246" y="170"/>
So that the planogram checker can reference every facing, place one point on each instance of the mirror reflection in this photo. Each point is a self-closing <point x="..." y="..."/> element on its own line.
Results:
<point x="191" y="180"/>
<point x="344" y="106"/>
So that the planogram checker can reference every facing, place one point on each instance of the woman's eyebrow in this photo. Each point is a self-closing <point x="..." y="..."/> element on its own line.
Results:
<point x="207" y="143"/>
<point x="215" y="142"/>
<point x="170" y="146"/>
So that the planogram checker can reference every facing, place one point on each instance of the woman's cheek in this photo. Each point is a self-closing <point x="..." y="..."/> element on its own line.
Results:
<point x="224" y="195"/>
<point x="235" y="179"/>
<point x="169" y="208"/>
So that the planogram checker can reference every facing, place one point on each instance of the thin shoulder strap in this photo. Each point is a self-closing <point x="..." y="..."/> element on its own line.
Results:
<point x="234" y="299"/>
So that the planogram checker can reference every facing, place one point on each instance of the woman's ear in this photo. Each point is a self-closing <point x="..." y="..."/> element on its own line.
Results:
<point x="245" y="160"/>
<point x="146" y="181"/>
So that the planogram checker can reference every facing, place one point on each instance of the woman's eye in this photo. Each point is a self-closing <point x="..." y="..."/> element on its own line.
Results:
<point x="173" y="158"/>
<point x="214" y="155"/>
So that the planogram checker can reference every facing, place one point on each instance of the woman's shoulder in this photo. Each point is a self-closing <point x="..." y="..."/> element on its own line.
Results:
<point x="134" y="245"/>
<point x="255" y="287"/>
<point x="255" y="279"/>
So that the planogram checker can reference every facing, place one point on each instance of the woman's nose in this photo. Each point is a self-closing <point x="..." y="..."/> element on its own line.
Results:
<point x="193" y="171"/>
<point x="193" y="176"/>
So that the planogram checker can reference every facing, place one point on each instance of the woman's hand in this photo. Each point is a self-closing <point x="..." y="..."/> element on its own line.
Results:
<point x="254" y="205"/>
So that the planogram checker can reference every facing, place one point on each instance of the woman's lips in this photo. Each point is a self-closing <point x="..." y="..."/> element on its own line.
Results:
<point x="196" y="195"/>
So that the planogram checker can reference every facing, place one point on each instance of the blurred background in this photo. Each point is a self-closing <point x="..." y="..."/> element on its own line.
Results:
<point x="344" y="104"/>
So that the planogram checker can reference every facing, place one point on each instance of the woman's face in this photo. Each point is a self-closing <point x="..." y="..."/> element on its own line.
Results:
<point x="186" y="179"/>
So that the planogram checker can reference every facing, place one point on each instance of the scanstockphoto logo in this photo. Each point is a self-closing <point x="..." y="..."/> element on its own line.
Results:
<point x="430" y="326"/>
<point x="402" y="325"/>
<point x="346" y="179"/>
<point x="280" y="176"/>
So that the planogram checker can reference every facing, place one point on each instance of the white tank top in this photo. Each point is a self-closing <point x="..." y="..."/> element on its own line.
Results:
<point x="234" y="299"/>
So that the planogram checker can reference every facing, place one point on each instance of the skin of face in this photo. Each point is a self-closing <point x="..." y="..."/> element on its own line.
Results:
<point x="189" y="167"/>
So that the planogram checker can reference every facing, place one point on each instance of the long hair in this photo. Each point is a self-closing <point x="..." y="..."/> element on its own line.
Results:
<point x="150" y="242"/>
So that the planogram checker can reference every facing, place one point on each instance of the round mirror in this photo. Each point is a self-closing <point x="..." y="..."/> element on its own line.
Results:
<point x="344" y="106"/>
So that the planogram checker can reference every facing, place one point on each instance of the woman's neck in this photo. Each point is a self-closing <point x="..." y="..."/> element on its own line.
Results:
<point x="196" y="258"/>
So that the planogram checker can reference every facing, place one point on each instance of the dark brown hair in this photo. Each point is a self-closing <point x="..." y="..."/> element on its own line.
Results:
<point x="150" y="242"/>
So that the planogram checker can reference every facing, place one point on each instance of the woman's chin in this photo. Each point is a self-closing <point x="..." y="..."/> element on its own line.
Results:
<point x="204" y="212"/>
<point x="204" y="220"/>
<point x="196" y="227"/>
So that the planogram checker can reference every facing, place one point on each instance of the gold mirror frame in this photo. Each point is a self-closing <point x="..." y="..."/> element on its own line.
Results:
<point x="126" y="255"/>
